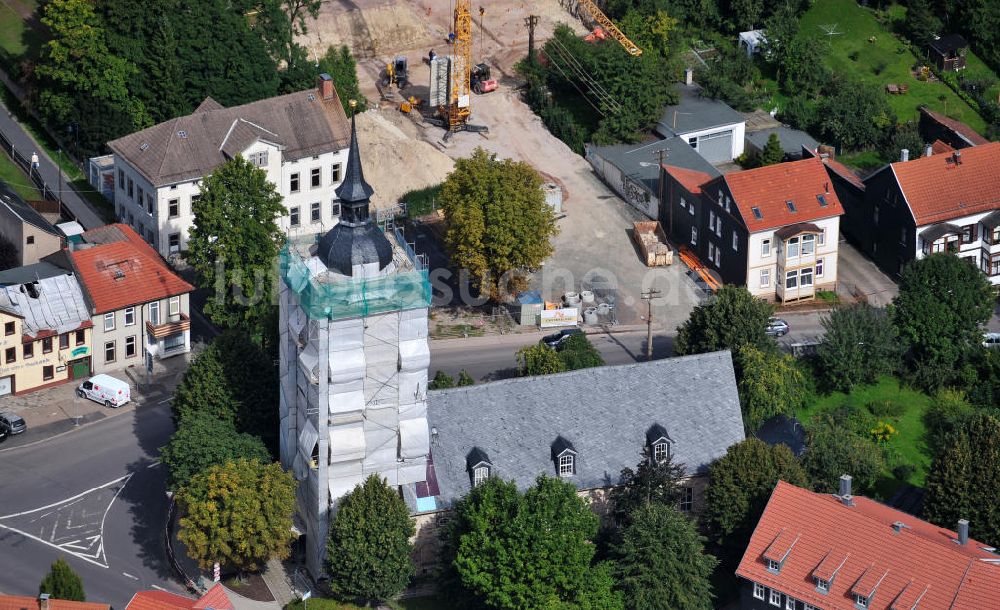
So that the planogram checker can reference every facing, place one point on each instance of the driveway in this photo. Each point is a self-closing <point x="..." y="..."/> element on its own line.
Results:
<point x="858" y="275"/>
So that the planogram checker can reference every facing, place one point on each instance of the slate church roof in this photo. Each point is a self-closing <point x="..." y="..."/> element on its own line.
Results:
<point x="605" y="415"/>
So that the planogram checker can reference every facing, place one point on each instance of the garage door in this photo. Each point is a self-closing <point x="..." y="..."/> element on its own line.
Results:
<point x="716" y="147"/>
<point x="6" y="385"/>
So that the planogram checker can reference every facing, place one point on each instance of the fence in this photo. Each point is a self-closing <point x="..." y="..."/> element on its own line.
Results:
<point x="24" y="162"/>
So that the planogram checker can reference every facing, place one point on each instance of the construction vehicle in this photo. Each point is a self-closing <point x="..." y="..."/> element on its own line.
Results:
<point x="481" y="81"/>
<point x="455" y="114"/>
<point x="630" y="47"/>
<point x="396" y="73"/>
<point x="410" y="104"/>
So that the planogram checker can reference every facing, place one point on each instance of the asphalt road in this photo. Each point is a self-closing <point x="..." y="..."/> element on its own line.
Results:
<point x="94" y="496"/>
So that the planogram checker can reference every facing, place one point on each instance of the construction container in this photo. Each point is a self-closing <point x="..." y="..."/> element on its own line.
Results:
<point x="653" y="243"/>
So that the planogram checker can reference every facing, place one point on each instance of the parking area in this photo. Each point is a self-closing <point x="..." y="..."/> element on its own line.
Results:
<point x="859" y="276"/>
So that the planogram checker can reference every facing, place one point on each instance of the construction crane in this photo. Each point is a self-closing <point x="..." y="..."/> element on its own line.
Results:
<point x="630" y="47"/>
<point x="460" y="101"/>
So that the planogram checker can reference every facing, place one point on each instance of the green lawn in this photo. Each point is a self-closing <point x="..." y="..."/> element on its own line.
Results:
<point x="856" y="25"/>
<point x="15" y="178"/>
<point x="17" y="38"/>
<point x="908" y="444"/>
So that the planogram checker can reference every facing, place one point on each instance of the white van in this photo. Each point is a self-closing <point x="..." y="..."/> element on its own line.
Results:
<point x="105" y="389"/>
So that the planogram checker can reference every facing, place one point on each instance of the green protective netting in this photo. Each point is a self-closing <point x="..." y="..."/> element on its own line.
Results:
<point x="353" y="298"/>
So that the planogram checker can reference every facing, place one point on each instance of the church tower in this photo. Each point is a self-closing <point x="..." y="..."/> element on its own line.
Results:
<point x="354" y="358"/>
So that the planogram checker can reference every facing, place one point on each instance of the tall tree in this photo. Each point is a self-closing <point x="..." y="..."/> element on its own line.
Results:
<point x="859" y="344"/>
<point x="205" y="388"/>
<point x="340" y="65"/>
<point x="368" y="550"/>
<point x="942" y="304"/>
<point x="509" y="550"/>
<point x="964" y="479"/>
<point x="733" y="318"/>
<point x="834" y="451"/>
<point x="238" y="514"/>
<point x="773" y="152"/>
<point x="855" y="115"/>
<point x="498" y="224"/>
<point x="62" y="582"/>
<point x="769" y="384"/>
<point x="539" y="360"/>
<point x="578" y="352"/>
<point x="920" y="23"/>
<point x="947" y="413"/>
<point x="660" y="562"/>
<point x="651" y="482"/>
<point x="235" y="242"/>
<point x="203" y="440"/>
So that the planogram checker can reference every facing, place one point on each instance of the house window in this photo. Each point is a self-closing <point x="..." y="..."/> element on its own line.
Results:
<point x="174" y="242"/>
<point x="131" y="189"/>
<point x="808" y="244"/>
<point x="174" y="306"/>
<point x="174" y="208"/>
<point x="154" y="313"/>
<point x="130" y="347"/>
<point x="809" y="607"/>
<point x="711" y="220"/>
<point x="682" y="203"/>
<point x="822" y="237"/>
<point x="194" y="201"/>
<point x="141" y="196"/>
<point x="687" y="499"/>
<point x="792" y="248"/>
<point x="875" y="215"/>
<point x="718" y="226"/>
<point x="10" y="354"/>
<point x="150" y="206"/>
<point x="109" y="351"/>
<point x="994" y="268"/>
<point x="861" y="601"/>
<point x="819" y="267"/>
<point x="789" y="603"/>
<point x="567" y="468"/>
<point x="691" y="209"/>
<point x="806" y="277"/>
<point x="121" y="179"/>
<point x="8" y="329"/>
<point x="711" y="251"/>
<point x="47" y="345"/>
<point x="773" y="566"/>
<point x="81" y="337"/>
<point x="694" y="236"/>
<point x="259" y="159"/>
<point x="173" y="342"/>
<point x="693" y="142"/>
<point x="718" y="257"/>
<point x="314" y="179"/>
<point x="293" y="216"/>
<point x="661" y="451"/>
<point x="765" y="278"/>
<point x="775" y="598"/>
<point x="335" y="173"/>
<point x="758" y="590"/>
<point x="314" y="212"/>
<point x="902" y="236"/>
<point x="131" y="220"/>
<point x="30" y="240"/>
<point x="969" y="234"/>
<point x="293" y="183"/>
<point x="129" y="316"/>
<point x="736" y="242"/>
<point x="479" y="475"/>
<point x="823" y="586"/>
<point x="335" y="209"/>
<point x="791" y="279"/>
<point x="64" y="341"/>
<point x="28" y="350"/>
<point x="109" y="321"/>
<point x="48" y="372"/>
<point x="995" y="238"/>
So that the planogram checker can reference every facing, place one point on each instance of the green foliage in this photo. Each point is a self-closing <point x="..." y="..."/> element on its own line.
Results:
<point x="983" y="387"/>
<point x="773" y="152"/>
<point x="660" y="562"/>
<point x="964" y="481"/>
<point x="859" y="345"/>
<point x="834" y="451"/>
<point x="733" y="78"/>
<point x="855" y="115"/>
<point x="947" y="412"/>
<point x="650" y="483"/>
<point x="62" y="582"/>
<point x="204" y="388"/>
<point x="441" y="381"/>
<point x="539" y="360"/>
<point x="578" y="352"/>
<point x="368" y="550"/>
<point x="769" y="384"/>
<point x="465" y="379"/>
<point x="921" y="24"/>
<point x="234" y="244"/>
<point x="422" y="201"/>
<point x="802" y="67"/>
<point x="509" y="550"/>
<point x="905" y="135"/>
<point x="340" y="65"/>
<point x="498" y="224"/>
<point x="733" y="318"/>
<point x="800" y="113"/>
<point x="740" y="484"/>
<point x="238" y="513"/>
<point x="203" y="440"/>
<point x="943" y="302"/>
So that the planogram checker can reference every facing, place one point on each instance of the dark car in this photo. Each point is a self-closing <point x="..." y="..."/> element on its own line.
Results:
<point x="555" y="340"/>
<point x="3" y="435"/>
<point x="12" y="423"/>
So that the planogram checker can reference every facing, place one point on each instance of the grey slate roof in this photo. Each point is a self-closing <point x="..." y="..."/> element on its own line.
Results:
<point x="189" y="147"/>
<point x="792" y="140"/>
<point x="57" y="305"/>
<point x="783" y="430"/>
<point x="605" y="413"/>
<point x="23" y="210"/>
<point x="627" y="158"/>
<point x="30" y="273"/>
<point x="695" y="113"/>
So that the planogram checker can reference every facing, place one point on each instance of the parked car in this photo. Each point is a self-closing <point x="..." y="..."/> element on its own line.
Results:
<point x="12" y="423"/>
<point x="3" y="435"/>
<point x="555" y="340"/>
<point x="105" y="389"/>
<point x="991" y="339"/>
<point x="777" y="327"/>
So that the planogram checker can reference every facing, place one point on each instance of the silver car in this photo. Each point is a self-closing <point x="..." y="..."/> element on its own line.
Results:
<point x="12" y="423"/>
<point x="777" y="327"/>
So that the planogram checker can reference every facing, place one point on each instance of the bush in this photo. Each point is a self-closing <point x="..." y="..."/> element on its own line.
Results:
<point x="853" y="56"/>
<point x="799" y="112"/>
<point x="903" y="472"/>
<point x="879" y="67"/>
<point x="886" y="408"/>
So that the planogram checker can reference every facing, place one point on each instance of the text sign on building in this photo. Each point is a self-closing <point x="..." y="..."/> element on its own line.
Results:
<point x="558" y="317"/>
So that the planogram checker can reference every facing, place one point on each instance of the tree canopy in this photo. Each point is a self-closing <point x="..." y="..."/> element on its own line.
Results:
<point x="498" y="224"/>
<point x="202" y="440"/>
<point x="773" y="152"/>
<point x="855" y="115"/>
<point x="651" y="482"/>
<point x="733" y="318"/>
<point x="539" y="360"/>
<point x="578" y="352"/>
<point x="769" y="384"/>
<point x="368" y="550"/>
<point x="340" y="65"/>
<point x="62" y="582"/>
<point x="859" y="344"/>
<point x="234" y="243"/>
<point x="238" y="514"/>
<point x="834" y="451"/>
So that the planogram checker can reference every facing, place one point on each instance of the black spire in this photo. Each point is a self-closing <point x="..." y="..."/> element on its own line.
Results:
<point x="354" y="190"/>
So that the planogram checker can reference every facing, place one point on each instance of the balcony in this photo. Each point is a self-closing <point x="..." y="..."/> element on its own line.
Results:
<point x="162" y="331"/>
<point x="798" y="243"/>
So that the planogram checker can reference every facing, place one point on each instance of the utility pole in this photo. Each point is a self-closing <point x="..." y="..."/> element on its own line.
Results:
<point x="659" y="186"/>
<point x="59" y="167"/>
<point x="531" y="21"/>
<point x="482" y="13"/>
<point x="648" y="296"/>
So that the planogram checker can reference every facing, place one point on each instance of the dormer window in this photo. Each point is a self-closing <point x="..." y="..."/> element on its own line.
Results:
<point x="773" y="566"/>
<point x="564" y="457"/>
<point x="658" y="443"/>
<point x="567" y="465"/>
<point x="823" y="586"/>
<point x="861" y="601"/>
<point x="479" y="475"/>
<point x="661" y="451"/>
<point x="479" y="466"/>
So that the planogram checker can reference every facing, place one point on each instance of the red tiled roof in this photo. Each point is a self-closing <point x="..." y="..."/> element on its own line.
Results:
<point x="216" y="599"/>
<point x="939" y="147"/>
<point x="844" y="172"/>
<point x="159" y="600"/>
<point x="958" y="127"/>
<point x="23" y="602"/>
<point x="688" y="178"/>
<point x="938" y="189"/>
<point x="768" y="188"/>
<point x="123" y="273"/>
<point x="920" y="561"/>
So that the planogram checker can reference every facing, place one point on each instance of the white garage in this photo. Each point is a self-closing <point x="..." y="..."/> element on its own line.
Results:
<point x="715" y="147"/>
<point x="710" y="126"/>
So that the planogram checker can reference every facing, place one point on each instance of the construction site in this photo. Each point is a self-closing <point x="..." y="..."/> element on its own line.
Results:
<point x="416" y="126"/>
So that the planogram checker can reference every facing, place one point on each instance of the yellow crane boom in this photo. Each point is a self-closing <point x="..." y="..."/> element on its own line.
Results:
<point x="459" y="103"/>
<point x="630" y="47"/>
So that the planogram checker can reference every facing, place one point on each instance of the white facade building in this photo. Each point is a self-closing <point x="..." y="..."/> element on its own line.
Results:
<point x="299" y="139"/>
<point x="791" y="263"/>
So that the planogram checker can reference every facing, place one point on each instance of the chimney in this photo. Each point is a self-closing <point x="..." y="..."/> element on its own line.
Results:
<point x="963" y="531"/>
<point x="957" y="157"/>
<point x="43" y="601"/>
<point x="324" y="83"/>
<point x="904" y="155"/>
<point x="845" y="490"/>
<point x="929" y="151"/>
<point x="688" y="76"/>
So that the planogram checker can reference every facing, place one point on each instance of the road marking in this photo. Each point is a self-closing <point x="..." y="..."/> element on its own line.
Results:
<point x="154" y="464"/>
<point x="168" y="399"/>
<point x="159" y="588"/>
<point x="127" y="575"/>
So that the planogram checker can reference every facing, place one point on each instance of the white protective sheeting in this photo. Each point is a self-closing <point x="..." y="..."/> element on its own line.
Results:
<point x="380" y="446"/>
<point x="307" y="439"/>
<point x="296" y="321"/>
<point x="309" y="361"/>
<point x="347" y="442"/>
<point x="346" y="402"/>
<point x="341" y="486"/>
<point x="347" y="365"/>
<point x="411" y="473"/>
<point x="346" y="334"/>
<point x="414" y="355"/>
<point x="412" y="386"/>
<point x="414" y="438"/>
<point x="413" y="411"/>
<point x="412" y="324"/>
<point x="300" y="468"/>
<point x="342" y="470"/>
